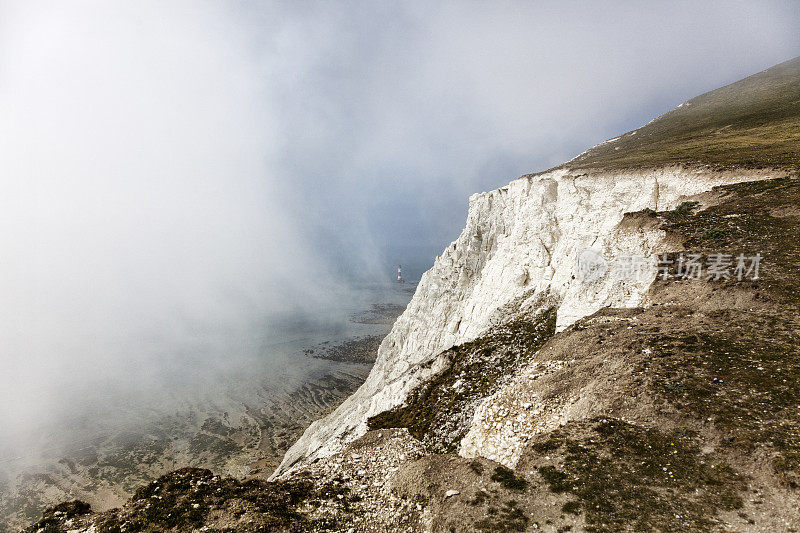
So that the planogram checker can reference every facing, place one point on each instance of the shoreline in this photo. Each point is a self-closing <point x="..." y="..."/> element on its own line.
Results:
<point x="240" y="427"/>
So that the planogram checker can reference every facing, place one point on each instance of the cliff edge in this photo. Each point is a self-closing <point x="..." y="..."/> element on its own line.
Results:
<point x="611" y="345"/>
<point x="521" y="243"/>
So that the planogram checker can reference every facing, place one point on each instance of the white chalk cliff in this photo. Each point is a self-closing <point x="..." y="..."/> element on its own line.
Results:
<point x="520" y="241"/>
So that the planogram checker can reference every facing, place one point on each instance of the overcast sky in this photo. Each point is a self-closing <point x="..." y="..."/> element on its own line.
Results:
<point x="174" y="163"/>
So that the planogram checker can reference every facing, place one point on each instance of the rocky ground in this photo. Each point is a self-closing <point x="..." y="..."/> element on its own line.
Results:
<point x="680" y="415"/>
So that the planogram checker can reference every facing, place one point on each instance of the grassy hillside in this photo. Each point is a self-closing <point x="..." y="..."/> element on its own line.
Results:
<point x="754" y="122"/>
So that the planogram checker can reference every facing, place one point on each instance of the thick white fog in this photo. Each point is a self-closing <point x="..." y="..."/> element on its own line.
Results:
<point x="139" y="205"/>
<point x="170" y="169"/>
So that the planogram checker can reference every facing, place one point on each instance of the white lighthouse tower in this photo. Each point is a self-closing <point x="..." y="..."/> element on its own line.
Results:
<point x="400" y="274"/>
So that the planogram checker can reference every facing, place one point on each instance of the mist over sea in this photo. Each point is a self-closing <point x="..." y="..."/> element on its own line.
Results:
<point x="246" y="377"/>
<point x="220" y="367"/>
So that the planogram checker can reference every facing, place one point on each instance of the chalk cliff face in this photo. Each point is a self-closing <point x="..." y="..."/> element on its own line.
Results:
<point x="521" y="243"/>
<point x="664" y="383"/>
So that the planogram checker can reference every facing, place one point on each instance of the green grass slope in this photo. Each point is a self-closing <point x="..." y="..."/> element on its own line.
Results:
<point x="754" y="122"/>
